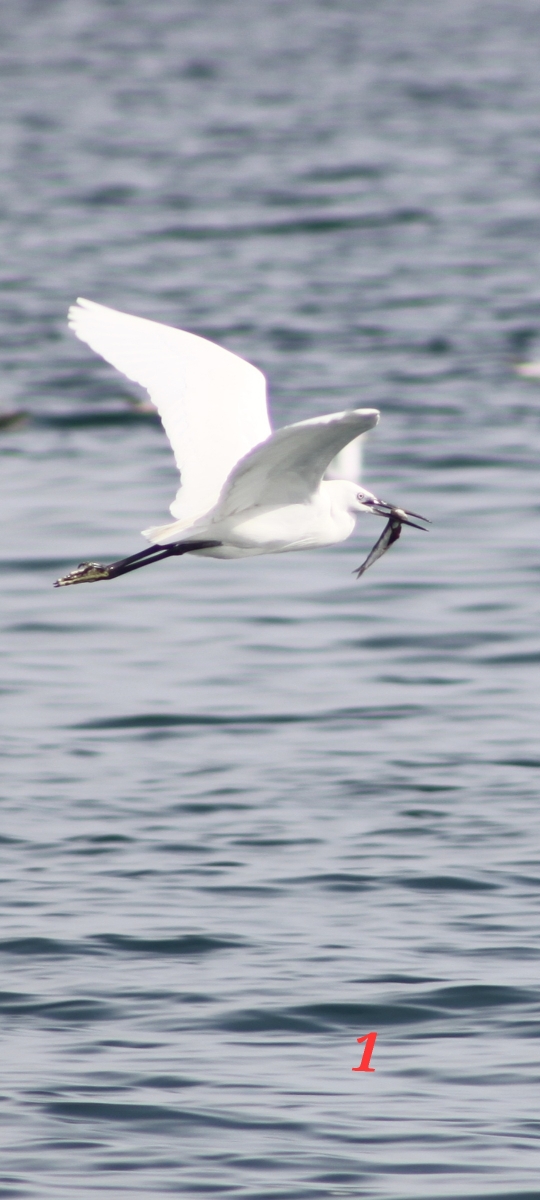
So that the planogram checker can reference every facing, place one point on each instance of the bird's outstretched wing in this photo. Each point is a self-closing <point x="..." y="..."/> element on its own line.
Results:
<point x="348" y="462"/>
<point x="289" y="466"/>
<point x="211" y="402"/>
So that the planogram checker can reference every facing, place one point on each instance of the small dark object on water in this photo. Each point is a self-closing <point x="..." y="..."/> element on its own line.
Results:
<point x="13" y="420"/>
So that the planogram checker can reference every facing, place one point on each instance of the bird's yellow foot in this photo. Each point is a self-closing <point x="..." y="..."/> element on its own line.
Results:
<point x="86" y="572"/>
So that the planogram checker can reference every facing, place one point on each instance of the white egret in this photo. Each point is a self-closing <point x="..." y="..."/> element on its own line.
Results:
<point x="245" y="490"/>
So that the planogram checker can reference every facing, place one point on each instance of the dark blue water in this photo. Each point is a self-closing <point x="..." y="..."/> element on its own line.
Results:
<point x="254" y="810"/>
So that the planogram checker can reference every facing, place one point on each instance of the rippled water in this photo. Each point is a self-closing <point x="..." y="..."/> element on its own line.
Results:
<point x="254" y="810"/>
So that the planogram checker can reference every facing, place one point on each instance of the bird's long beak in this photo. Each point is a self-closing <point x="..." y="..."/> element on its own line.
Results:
<point x="382" y="509"/>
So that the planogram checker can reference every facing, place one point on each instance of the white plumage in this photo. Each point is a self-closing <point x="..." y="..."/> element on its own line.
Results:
<point x="212" y="403"/>
<point x="244" y="490"/>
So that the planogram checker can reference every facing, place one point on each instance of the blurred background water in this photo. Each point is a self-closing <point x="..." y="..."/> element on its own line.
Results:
<point x="253" y="810"/>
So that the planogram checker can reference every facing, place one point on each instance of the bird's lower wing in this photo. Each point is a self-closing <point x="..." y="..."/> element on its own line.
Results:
<point x="212" y="403"/>
<point x="289" y="466"/>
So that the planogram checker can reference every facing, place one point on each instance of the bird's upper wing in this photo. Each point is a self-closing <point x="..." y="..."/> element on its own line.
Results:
<point x="289" y="466"/>
<point x="212" y="403"/>
<point x="348" y="462"/>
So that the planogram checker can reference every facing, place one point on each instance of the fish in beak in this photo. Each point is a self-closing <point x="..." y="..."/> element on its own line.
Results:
<point x="397" y="518"/>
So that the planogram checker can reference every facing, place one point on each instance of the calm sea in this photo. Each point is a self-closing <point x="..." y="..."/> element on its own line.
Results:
<point x="253" y="811"/>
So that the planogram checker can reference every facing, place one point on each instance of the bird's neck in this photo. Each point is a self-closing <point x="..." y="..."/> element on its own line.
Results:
<point x="334" y="503"/>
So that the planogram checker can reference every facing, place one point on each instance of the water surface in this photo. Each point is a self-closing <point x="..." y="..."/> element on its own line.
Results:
<point x="254" y="810"/>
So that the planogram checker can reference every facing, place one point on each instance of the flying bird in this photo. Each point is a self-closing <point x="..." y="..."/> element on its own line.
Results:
<point x="245" y="489"/>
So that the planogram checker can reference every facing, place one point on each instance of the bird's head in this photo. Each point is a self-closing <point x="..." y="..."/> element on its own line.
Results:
<point x="359" y="500"/>
<point x="356" y="499"/>
<point x="362" y="500"/>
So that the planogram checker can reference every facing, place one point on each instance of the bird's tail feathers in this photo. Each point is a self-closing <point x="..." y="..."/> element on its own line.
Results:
<point x="162" y="535"/>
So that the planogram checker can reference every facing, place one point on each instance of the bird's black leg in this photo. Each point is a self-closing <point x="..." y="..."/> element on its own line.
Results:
<point x="91" y="572"/>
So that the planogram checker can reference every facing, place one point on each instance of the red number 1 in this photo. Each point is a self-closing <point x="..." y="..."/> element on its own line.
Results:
<point x="369" y="1039"/>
